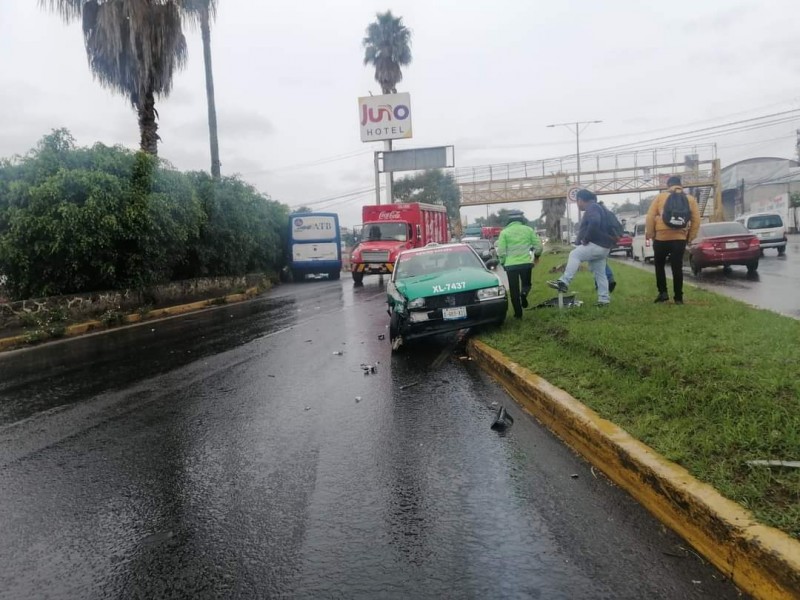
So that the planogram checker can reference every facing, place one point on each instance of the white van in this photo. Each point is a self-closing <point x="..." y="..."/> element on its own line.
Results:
<point x="642" y="248"/>
<point x="768" y="228"/>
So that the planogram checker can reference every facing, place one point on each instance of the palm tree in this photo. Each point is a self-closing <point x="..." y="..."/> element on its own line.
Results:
<point x="203" y="11"/>
<point x="387" y="46"/>
<point x="134" y="47"/>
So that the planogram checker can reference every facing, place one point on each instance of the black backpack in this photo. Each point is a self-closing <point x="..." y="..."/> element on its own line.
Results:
<point x="676" y="212"/>
<point x="611" y="224"/>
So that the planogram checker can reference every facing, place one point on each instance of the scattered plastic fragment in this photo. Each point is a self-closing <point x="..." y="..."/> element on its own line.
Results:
<point x="503" y="420"/>
<point x="308" y="408"/>
<point x="358" y="398"/>
<point x="338" y="353"/>
<point x="791" y="464"/>
<point x="381" y="336"/>
<point x="408" y="385"/>
<point x="574" y="475"/>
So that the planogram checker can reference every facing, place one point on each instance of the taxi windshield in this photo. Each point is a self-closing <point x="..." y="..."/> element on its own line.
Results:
<point x="414" y="264"/>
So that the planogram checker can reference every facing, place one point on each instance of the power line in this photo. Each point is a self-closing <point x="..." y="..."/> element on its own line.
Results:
<point x="778" y="119"/>
<point x="313" y="163"/>
<point x="647" y="132"/>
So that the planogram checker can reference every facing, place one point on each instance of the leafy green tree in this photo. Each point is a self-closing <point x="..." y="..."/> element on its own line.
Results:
<point x="89" y="219"/>
<point x="243" y="230"/>
<point x="499" y="219"/>
<point x="626" y="207"/>
<point x="433" y="187"/>
<point x="134" y="48"/>
<point x="387" y="46"/>
<point x="203" y="12"/>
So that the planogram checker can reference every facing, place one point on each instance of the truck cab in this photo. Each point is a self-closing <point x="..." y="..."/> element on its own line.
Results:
<point x="388" y="229"/>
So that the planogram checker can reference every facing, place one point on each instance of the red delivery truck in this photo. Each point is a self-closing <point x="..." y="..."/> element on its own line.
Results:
<point x="490" y="233"/>
<point x="388" y="229"/>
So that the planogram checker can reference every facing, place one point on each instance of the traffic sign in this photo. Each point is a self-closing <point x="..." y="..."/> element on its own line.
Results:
<point x="572" y="193"/>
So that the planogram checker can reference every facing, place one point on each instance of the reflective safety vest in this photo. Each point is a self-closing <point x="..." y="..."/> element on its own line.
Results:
<point x="515" y="243"/>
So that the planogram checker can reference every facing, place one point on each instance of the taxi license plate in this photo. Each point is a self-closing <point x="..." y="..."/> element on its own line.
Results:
<point x="459" y="312"/>
<point x="731" y="245"/>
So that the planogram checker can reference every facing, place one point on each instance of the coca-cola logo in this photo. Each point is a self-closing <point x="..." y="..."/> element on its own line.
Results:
<point x="389" y="215"/>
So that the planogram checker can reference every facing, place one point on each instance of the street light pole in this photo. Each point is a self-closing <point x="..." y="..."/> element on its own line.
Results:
<point x="579" y="126"/>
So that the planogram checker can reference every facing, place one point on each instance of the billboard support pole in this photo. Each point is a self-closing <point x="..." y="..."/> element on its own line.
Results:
<point x="377" y="181"/>
<point x="387" y="146"/>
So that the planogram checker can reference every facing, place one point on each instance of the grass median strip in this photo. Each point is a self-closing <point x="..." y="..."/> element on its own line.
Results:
<point x="710" y="385"/>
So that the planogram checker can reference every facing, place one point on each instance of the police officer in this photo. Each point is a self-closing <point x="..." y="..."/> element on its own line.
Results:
<point x="514" y="246"/>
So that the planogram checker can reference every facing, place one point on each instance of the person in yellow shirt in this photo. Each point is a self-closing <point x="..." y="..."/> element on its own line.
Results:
<point x="671" y="226"/>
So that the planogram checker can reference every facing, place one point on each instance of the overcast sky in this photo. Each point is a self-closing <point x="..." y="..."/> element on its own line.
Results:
<point x="486" y="77"/>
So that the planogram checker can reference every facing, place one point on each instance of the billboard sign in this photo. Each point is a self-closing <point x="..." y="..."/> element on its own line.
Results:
<point x="417" y="159"/>
<point x="386" y="117"/>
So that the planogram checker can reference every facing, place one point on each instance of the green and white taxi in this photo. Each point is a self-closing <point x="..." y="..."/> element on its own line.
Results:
<point x="441" y="288"/>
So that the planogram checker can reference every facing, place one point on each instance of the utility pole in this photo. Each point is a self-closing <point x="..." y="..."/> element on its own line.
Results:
<point x="575" y="128"/>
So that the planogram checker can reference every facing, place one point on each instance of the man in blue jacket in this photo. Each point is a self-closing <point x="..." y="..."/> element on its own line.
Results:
<point x="594" y="243"/>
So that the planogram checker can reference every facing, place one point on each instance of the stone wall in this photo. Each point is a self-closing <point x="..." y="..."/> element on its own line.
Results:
<point x="91" y="305"/>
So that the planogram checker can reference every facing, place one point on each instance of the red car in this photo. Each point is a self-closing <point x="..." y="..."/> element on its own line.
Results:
<point x="624" y="244"/>
<point x="722" y="245"/>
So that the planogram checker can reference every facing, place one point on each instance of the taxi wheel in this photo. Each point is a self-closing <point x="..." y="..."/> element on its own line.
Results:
<point x="395" y="323"/>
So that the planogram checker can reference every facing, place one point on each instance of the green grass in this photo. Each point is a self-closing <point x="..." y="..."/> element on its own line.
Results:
<point x="710" y="385"/>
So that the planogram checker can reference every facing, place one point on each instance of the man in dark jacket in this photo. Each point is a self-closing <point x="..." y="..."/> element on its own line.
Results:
<point x="594" y="244"/>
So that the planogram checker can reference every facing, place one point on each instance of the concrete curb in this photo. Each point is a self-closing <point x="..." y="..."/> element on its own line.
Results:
<point x="761" y="560"/>
<point x="12" y="343"/>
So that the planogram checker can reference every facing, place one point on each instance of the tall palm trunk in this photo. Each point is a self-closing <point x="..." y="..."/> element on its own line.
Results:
<point x="212" y="108"/>
<point x="148" y="128"/>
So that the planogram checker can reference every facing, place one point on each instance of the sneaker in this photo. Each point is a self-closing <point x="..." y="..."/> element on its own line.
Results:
<point x="558" y="285"/>
<point x="662" y="297"/>
<point x="612" y="285"/>
<point x="678" y="300"/>
<point x="523" y="299"/>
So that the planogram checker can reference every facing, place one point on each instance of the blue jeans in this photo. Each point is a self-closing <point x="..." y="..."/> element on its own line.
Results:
<point x="595" y="256"/>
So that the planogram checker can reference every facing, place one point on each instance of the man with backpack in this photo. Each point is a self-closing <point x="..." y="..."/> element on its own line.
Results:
<point x="597" y="234"/>
<point x="672" y="222"/>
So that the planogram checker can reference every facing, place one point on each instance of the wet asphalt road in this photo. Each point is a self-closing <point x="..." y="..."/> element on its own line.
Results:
<point x="225" y="455"/>
<point x="775" y="286"/>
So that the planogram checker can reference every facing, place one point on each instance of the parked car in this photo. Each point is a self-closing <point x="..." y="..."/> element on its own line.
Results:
<point x="641" y="248"/>
<point x="722" y="245"/>
<point x="486" y="250"/>
<point x="441" y="288"/>
<point x="768" y="228"/>
<point x="624" y="244"/>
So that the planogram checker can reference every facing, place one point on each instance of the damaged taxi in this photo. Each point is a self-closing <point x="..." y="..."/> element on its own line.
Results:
<point x="441" y="288"/>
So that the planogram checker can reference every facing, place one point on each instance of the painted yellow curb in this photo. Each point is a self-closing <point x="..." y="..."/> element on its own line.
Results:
<point x="170" y="311"/>
<point x="761" y="560"/>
